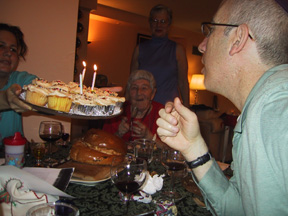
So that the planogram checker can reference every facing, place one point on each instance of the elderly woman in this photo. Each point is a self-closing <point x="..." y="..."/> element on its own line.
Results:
<point x="164" y="58"/>
<point x="140" y="111"/>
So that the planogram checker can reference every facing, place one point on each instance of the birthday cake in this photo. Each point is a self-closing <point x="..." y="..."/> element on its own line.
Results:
<point x="72" y="98"/>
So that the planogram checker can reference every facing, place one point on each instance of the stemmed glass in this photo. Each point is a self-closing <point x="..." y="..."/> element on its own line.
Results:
<point x="143" y="148"/>
<point x="38" y="150"/>
<point x="50" y="131"/>
<point x="175" y="165"/>
<point x="128" y="174"/>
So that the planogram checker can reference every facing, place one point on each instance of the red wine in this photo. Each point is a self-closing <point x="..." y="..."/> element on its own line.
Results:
<point x="175" y="166"/>
<point x="50" y="137"/>
<point x="127" y="186"/>
<point x="65" y="136"/>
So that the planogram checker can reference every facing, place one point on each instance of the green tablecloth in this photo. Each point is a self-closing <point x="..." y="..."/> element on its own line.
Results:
<point x="103" y="198"/>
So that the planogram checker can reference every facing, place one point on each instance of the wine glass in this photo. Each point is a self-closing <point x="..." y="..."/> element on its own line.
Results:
<point x="50" y="131"/>
<point x="38" y="150"/>
<point x="175" y="165"/>
<point x="128" y="174"/>
<point x="143" y="148"/>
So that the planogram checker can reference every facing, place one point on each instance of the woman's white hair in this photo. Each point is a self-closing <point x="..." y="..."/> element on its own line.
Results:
<point x="140" y="74"/>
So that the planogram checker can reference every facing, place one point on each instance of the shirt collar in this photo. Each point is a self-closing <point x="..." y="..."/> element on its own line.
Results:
<point x="260" y="82"/>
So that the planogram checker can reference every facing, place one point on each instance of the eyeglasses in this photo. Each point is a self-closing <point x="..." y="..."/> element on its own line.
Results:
<point x="207" y="29"/>
<point x="155" y="21"/>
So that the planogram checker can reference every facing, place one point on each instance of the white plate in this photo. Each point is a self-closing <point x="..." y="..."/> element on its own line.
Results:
<point x="87" y="183"/>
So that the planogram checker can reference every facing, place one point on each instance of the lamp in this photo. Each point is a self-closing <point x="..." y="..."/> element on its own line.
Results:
<point x="197" y="83"/>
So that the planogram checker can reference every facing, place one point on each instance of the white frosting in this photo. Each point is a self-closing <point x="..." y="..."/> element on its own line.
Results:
<point x="60" y="88"/>
<point x="104" y="101"/>
<point x="59" y="93"/>
<point x="82" y="100"/>
<point x="58" y="82"/>
<point x="35" y="88"/>
<point x="41" y="82"/>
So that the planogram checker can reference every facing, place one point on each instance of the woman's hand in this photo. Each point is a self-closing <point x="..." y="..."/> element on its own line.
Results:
<point x="114" y="89"/>
<point x="123" y="127"/>
<point x="10" y="99"/>
<point x="140" y="130"/>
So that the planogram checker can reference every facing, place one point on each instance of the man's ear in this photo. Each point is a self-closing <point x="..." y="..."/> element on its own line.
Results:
<point x="240" y="38"/>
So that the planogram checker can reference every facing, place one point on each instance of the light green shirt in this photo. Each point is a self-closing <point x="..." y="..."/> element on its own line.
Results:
<point x="259" y="185"/>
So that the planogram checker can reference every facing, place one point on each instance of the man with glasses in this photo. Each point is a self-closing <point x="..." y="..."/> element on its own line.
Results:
<point x="245" y="56"/>
<point x="164" y="58"/>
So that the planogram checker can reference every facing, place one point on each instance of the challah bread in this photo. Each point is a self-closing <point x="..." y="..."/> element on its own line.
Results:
<point x="98" y="147"/>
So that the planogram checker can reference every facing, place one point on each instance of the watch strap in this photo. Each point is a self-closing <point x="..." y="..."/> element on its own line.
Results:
<point x="199" y="161"/>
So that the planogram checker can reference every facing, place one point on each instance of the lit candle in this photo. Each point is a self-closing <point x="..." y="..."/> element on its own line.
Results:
<point x="81" y="85"/>
<point x="94" y="76"/>
<point x="84" y="70"/>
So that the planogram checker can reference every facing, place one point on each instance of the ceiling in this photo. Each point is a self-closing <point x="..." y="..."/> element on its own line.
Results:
<point x="187" y="14"/>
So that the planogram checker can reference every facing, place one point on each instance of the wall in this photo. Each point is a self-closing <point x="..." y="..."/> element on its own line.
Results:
<point x="113" y="36"/>
<point x="50" y="33"/>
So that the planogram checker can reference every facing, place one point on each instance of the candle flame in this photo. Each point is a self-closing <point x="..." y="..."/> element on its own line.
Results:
<point x="95" y="67"/>
<point x="84" y="63"/>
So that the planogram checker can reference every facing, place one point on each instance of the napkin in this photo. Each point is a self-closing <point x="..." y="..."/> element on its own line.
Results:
<point x="153" y="184"/>
<point x="19" y="191"/>
<point x="144" y="198"/>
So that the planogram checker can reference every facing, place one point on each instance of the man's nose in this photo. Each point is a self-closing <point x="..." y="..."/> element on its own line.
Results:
<point x="202" y="45"/>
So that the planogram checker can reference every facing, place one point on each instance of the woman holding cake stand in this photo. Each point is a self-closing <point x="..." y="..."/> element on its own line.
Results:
<point x="12" y="49"/>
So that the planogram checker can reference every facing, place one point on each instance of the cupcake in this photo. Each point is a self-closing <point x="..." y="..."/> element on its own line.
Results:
<point x="36" y="94"/>
<point x="59" y="98"/>
<point x="82" y="105"/>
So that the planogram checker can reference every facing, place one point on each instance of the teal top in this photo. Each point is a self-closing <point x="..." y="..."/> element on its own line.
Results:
<point x="259" y="185"/>
<point x="11" y="121"/>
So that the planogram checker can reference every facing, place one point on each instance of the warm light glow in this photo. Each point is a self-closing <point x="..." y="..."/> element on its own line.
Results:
<point x="84" y="64"/>
<point x="95" y="67"/>
<point x="97" y="30"/>
<point x="197" y="82"/>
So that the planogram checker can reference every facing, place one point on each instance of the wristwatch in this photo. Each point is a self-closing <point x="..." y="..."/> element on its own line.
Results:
<point x="199" y="161"/>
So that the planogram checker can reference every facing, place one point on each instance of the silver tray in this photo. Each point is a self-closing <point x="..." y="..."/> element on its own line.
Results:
<point x="46" y="111"/>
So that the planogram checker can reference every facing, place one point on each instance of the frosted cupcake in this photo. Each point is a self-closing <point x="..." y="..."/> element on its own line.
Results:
<point x="36" y="94"/>
<point x="59" y="98"/>
<point x="82" y="105"/>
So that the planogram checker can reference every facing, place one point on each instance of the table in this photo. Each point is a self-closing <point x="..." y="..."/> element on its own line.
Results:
<point x="103" y="198"/>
